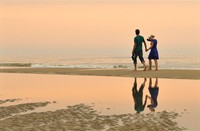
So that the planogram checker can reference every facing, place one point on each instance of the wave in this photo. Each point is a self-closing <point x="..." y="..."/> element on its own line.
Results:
<point x="79" y="66"/>
<point x="15" y="64"/>
<point x="99" y="65"/>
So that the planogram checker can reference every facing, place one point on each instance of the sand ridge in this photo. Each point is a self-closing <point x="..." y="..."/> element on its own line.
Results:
<point x="170" y="74"/>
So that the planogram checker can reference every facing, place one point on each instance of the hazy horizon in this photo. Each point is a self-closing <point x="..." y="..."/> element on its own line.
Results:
<point x="97" y="28"/>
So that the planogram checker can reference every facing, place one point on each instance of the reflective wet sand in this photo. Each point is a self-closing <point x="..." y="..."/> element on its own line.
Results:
<point x="106" y="95"/>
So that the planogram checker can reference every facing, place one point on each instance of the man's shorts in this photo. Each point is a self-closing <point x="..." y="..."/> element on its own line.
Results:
<point x="135" y="55"/>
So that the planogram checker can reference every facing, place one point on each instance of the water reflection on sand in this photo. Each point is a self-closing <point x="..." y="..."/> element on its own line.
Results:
<point x="113" y="102"/>
<point x="137" y="94"/>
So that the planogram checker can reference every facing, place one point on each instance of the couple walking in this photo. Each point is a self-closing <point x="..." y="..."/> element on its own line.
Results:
<point x="137" y="50"/>
<point x="138" y="95"/>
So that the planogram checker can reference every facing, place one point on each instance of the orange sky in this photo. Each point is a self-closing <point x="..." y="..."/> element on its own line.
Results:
<point x="96" y="28"/>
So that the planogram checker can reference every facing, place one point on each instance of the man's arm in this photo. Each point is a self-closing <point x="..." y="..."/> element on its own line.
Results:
<point x="145" y="102"/>
<point x="145" y="45"/>
<point x="134" y="47"/>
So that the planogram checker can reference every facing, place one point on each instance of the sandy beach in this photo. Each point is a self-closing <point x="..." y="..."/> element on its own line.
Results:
<point x="170" y="74"/>
<point x="68" y="65"/>
<point x="82" y="117"/>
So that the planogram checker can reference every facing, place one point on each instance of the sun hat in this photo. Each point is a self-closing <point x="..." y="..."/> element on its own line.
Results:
<point x="152" y="36"/>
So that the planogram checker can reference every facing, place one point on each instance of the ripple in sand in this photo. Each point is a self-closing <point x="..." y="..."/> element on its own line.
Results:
<point x="83" y="117"/>
<point x="6" y="111"/>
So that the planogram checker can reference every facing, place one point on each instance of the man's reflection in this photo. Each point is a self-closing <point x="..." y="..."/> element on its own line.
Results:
<point x="153" y="90"/>
<point x="138" y="96"/>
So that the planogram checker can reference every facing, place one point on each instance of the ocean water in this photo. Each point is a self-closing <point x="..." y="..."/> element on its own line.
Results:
<point x="165" y="62"/>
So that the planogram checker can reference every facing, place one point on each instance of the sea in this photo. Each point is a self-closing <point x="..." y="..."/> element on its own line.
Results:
<point x="108" y="62"/>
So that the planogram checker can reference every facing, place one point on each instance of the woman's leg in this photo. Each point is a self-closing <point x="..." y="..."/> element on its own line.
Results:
<point x="156" y="63"/>
<point x="150" y="82"/>
<point x="150" y="64"/>
<point x="156" y="83"/>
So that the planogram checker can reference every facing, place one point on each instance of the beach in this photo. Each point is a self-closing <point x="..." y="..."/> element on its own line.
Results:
<point x="170" y="74"/>
<point x="82" y="117"/>
<point x="41" y="100"/>
<point x="68" y="65"/>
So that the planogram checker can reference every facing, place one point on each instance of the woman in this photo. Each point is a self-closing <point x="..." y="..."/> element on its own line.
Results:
<point x="154" y="94"/>
<point x="153" y="53"/>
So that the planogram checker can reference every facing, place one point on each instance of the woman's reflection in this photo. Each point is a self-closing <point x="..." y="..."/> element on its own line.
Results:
<point x="153" y="90"/>
<point x="138" y="96"/>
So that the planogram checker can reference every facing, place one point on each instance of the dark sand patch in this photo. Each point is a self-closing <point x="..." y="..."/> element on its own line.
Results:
<point x="6" y="111"/>
<point x="9" y="100"/>
<point x="82" y="117"/>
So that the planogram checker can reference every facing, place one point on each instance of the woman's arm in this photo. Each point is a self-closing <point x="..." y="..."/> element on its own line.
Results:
<point x="151" y="46"/>
<point x="152" y="102"/>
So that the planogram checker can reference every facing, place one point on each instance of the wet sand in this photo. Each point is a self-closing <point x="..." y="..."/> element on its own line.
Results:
<point x="170" y="74"/>
<point x="83" y="117"/>
<point x="107" y="104"/>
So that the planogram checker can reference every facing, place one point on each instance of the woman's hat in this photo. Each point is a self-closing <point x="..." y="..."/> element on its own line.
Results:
<point x="152" y="36"/>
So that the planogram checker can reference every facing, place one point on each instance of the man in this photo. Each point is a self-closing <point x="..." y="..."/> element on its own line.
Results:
<point x="137" y="49"/>
<point x="138" y="96"/>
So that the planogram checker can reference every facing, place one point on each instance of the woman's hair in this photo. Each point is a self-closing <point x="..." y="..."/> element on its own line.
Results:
<point x="137" y="31"/>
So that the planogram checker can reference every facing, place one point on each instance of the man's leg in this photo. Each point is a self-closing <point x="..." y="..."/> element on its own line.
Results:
<point x="135" y="66"/>
<point x="142" y="86"/>
<point x="135" y="62"/>
<point x="144" y="66"/>
<point x="142" y="60"/>
<point x="134" y="89"/>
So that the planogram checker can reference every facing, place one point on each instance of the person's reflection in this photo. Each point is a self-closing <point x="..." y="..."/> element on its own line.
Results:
<point x="138" y="96"/>
<point x="154" y="94"/>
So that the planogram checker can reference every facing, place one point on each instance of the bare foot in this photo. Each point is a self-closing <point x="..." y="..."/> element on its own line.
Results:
<point x="145" y="69"/>
<point x="156" y="69"/>
<point x="149" y="69"/>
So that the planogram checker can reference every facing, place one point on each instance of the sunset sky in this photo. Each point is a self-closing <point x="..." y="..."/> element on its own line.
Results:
<point x="97" y="28"/>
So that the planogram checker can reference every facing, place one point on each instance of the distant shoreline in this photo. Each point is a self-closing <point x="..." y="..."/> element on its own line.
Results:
<point x="169" y="74"/>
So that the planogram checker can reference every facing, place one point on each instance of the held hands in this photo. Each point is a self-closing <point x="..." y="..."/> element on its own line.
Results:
<point x="148" y="96"/>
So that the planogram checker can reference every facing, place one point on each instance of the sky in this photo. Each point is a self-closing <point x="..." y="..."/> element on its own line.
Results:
<point x="97" y="28"/>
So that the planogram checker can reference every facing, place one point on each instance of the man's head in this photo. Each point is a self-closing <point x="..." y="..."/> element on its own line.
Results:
<point x="137" y="31"/>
